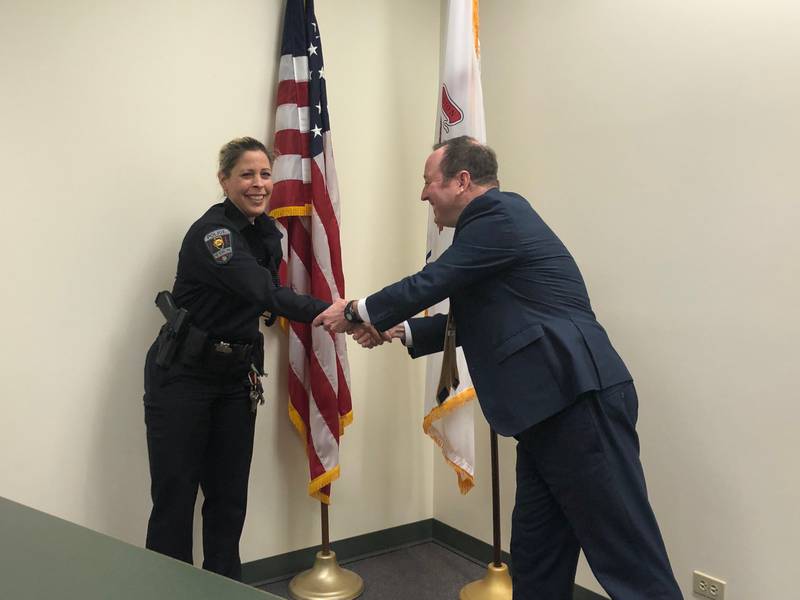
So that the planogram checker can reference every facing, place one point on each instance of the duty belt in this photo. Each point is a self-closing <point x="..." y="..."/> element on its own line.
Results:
<point x="195" y="348"/>
<point x="231" y="349"/>
<point x="218" y="356"/>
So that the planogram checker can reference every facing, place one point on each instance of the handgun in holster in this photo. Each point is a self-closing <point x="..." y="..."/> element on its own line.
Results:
<point x="173" y="331"/>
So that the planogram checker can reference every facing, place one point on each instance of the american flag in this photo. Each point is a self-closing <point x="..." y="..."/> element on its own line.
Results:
<point x="305" y="204"/>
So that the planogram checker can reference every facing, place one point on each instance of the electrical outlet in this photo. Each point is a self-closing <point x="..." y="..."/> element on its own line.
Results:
<point x="708" y="586"/>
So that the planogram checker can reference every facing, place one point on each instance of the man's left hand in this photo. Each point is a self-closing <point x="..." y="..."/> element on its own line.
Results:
<point x="369" y="337"/>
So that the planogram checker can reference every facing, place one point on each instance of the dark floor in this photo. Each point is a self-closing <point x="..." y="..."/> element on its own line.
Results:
<point x="422" y="572"/>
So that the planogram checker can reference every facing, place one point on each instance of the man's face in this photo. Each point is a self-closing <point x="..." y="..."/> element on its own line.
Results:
<point x="442" y="195"/>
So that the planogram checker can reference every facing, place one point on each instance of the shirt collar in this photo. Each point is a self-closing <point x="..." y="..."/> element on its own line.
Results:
<point x="262" y="223"/>
<point x="234" y="214"/>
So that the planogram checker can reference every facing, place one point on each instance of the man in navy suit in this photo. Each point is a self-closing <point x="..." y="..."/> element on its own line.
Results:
<point x="544" y="371"/>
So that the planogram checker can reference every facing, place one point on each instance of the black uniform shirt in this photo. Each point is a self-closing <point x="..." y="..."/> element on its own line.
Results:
<point x="224" y="278"/>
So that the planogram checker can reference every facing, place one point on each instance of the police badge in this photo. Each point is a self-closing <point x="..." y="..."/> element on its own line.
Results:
<point x="218" y="243"/>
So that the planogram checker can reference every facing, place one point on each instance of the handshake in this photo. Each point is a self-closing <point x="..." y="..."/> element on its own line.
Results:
<point x="333" y="320"/>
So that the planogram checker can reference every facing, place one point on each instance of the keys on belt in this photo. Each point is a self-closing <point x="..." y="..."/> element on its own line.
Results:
<point x="256" y="389"/>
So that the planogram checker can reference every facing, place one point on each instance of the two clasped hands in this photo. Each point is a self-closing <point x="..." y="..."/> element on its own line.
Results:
<point x="333" y="320"/>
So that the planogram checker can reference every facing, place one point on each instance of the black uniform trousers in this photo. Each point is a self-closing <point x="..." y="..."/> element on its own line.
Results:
<point x="580" y="485"/>
<point x="200" y="430"/>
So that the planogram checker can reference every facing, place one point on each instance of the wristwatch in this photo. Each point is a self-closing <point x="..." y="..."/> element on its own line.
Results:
<point x="350" y="315"/>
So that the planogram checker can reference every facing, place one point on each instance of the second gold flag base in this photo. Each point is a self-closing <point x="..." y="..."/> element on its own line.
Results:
<point x="495" y="585"/>
<point x="326" y="580"/>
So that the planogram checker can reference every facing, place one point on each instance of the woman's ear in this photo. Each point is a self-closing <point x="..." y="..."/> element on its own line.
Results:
<point x="222" y="178"/>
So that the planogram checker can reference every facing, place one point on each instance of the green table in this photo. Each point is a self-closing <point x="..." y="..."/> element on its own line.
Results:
<point x="43" y="558"/>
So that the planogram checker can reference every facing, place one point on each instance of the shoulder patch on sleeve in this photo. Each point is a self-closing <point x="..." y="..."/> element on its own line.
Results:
<point x="219" y="245"/>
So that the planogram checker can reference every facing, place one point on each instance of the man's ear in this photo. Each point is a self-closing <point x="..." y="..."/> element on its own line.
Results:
<point x="464" y="179"/>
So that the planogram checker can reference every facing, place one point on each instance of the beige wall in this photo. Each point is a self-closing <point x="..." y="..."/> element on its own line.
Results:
<point x="661" y="141"/>
<point x="111" y="115"/>
<point x="658" y="139"/>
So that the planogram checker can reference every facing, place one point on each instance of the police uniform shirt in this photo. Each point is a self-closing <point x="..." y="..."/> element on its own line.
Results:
<point x="225" y="276"/>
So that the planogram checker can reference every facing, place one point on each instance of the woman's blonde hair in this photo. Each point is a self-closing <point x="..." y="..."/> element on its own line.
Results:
<point x="231" y="152"/>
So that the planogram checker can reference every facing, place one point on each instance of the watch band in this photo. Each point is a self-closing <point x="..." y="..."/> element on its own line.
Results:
<point x="350" y="315"/>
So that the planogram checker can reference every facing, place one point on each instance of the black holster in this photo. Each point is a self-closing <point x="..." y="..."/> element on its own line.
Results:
<point x="169" y="341"/>
<point x="171" y="335"/>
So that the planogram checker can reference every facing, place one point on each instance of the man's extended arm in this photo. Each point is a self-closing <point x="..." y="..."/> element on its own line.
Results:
<point x="485" y="245"/>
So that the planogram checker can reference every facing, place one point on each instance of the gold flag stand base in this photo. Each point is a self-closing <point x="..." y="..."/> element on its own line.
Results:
<point x="495" y="585"/>
<point x="326" y="580"/>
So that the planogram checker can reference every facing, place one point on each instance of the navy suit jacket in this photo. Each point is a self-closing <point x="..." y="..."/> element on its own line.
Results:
<point x="523" y="316"/>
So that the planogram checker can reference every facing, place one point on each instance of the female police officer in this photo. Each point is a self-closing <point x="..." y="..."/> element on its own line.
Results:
<point x="198" y="409"/>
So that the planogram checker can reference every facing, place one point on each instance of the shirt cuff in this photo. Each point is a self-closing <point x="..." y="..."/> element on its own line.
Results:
<point x="362" y="311"/>
<point x="408" y="341"/>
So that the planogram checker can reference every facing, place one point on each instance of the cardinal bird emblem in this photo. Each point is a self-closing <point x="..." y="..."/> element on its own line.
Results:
<point x="451" y="112"/>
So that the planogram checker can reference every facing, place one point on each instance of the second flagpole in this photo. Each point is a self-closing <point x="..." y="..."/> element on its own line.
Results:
<point x="496" y="584"/>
